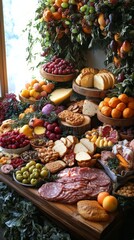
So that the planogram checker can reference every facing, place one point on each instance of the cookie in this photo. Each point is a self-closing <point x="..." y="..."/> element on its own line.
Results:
<point x="76" y="119"/>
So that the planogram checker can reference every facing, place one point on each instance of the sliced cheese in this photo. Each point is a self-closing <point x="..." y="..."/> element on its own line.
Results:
<point x="61" y="94"/>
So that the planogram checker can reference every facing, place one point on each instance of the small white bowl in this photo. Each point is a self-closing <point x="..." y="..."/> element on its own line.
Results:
<point x="17" y="150"/>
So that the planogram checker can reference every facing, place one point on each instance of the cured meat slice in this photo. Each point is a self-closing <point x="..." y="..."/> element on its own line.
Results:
<point x="74" y="184"/>
<point x="51" y="190"/>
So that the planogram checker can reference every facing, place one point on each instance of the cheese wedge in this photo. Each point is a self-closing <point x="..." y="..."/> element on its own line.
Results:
<point x="61" y="94"/>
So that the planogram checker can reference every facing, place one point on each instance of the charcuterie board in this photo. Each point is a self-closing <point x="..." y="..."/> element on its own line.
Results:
<point x="89" y="92"/>
<point x="115" y="122"/>
<point x="57" y="78"/>
<point x="65" y="213"/>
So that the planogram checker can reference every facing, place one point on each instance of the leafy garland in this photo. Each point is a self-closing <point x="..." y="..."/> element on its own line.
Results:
<point x="68" y="28"/>
<point x="21" y="220"/>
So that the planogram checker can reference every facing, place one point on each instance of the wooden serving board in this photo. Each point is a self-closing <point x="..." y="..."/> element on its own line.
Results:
<point x="115" y="122"/>
<point x="89" y="92"/>
<point x="64" y="214"/>
<point x="57" y="78"/>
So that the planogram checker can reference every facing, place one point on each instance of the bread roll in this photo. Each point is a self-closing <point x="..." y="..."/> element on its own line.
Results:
<point x="92" y="211"/>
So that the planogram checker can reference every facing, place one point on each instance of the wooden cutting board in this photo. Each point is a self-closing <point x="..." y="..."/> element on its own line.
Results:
<point x="64" y="214"/>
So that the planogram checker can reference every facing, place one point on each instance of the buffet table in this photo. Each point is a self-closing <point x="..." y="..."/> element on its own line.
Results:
<point x="67" y="216"/>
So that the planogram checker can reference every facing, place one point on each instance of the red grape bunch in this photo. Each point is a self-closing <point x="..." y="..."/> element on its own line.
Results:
<point x="59" y="66"/>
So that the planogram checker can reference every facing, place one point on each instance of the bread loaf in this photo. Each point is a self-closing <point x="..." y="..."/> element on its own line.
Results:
<point x="92" y="211"/>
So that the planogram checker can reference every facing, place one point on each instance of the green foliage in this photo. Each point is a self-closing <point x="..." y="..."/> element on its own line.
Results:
<point x="21" y="220"/>
<point x="66" y="37"/>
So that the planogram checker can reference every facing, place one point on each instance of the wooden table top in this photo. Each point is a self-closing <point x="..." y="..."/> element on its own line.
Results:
<point x="65" y="214"/>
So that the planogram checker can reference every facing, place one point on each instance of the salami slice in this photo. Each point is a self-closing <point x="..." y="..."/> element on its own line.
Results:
<point x="50" y="191"/>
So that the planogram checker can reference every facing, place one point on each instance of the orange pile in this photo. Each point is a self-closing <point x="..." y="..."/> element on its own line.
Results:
<point x="117" y="107"/>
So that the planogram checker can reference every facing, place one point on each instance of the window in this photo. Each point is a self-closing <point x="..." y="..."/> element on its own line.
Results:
<point x="3" y="75"/>
<point x="16" y="15"/>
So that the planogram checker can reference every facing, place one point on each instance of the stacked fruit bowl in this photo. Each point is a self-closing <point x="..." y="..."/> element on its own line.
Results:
<point x="14" y="142"/>
<point x="58" y="70"/>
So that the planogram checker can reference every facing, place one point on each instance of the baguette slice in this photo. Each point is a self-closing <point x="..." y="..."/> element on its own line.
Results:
<point x="64" y="140"/>
<point x="68" y="143"/>
<point x="72" y="139"/>
<point x="79" y="147"/>
<point x="89" y="145"/>
<point x="82" y="156"/>
<point x="60" y="148"/>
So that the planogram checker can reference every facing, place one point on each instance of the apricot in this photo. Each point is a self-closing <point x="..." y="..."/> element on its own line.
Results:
<point x="37" y="87"/>
<point x="25" y="93"/>
<point x="43" y="94"/>
<point x="110" y="203"/>
<point x="101" y="197"/>
<point x="33" y="81"/>
<point x="27" y="85"/>
<point x="42" y="82"/>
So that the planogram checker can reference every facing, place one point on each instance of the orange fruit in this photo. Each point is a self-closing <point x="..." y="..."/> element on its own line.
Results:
<point x="86" y="30"/>
<point x="130" y="99"/>
<point x="47" y="88"/>
<point x="101" y="197"/>
<point x="115" y="113"/>
<point x="58" y="3"/>
<point x="113" y="102"/>
<point x="128" y="113"/>
<point x="102" y="104"/>
<point x="121" y="106"/>
<point x="43" y="82"/>
<point x="131" y="105"/>
<point x="123" y="98"/>
<point x="33" y="81"/>
<point x="105" y="110"/>
<point x="106" y="99"/>
<point x="56" y="15"/>
<point x="47" y="15"/>
<point x="110" y="203"/>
